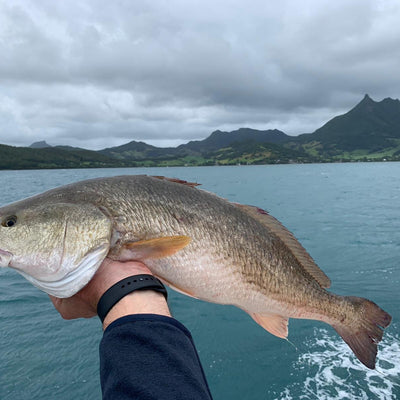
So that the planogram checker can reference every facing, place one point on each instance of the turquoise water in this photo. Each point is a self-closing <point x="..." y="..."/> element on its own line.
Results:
<point x="346" y="215"/>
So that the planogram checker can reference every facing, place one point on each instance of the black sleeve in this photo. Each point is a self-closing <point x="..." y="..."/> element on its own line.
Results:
<point x="148" y="356"/>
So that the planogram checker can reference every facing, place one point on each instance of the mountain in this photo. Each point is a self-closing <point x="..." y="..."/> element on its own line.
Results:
<point x="39" y="145"/>
<point x="51" y="157"/>
<point x="370" y="127"/>
<point x="219" y="139"/>
<point x="198" y="148"/>
<point x="251" y="152"/>
<point x="139" y="151"/>
<point x="370" y="131"/>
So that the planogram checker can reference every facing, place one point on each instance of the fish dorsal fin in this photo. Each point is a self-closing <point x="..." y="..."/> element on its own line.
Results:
<point x="290" y="241"/>
<point x="175" y="180"/>
<point x="153" y="248"/>
<point x="273" y="323"/>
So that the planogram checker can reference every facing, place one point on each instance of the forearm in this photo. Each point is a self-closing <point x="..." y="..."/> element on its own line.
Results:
<point x="144" y="353"/>
<point x="149" y="356"/>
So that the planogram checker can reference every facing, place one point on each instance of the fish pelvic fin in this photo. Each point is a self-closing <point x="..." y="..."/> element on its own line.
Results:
<point x="364" y="335"/>
<point x="273" y="323"/>
<point x="301" y="254"/>
<point x="154" y="248"/>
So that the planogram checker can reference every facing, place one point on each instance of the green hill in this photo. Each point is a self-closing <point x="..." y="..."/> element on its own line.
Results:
<point x="251" y="152"/>
<point x="369" y="128"/>
<point x="219" y="139"/>
<point x="137" y="151"/>
<point x="51" y="157"/>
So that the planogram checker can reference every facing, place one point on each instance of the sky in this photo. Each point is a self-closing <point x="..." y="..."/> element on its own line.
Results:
<point x="98" y="74"/>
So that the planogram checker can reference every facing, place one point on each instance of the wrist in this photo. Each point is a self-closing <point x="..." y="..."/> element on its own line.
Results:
<point x="138" y="302"/>
<point x="135" y="294"/>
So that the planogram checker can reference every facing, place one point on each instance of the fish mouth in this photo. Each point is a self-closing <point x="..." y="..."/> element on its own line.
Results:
<point x="5" y="258"/>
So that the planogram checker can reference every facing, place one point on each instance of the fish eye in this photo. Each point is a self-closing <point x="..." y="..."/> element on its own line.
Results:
<point x="9" y="221"/>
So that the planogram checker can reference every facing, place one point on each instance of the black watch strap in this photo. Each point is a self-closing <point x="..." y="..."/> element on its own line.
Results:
<point x="128" y="285"/>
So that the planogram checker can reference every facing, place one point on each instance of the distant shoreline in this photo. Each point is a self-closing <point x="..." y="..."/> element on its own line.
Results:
<point x="196" y="166"/>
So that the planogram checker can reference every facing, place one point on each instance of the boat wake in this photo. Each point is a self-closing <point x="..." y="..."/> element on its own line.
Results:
<point x="329" y="370"/>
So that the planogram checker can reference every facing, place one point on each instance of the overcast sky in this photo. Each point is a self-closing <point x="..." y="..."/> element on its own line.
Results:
<point x="95" y="74"/>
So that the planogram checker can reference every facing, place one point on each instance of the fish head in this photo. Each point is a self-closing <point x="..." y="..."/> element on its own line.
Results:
<point x="57" y="246"/>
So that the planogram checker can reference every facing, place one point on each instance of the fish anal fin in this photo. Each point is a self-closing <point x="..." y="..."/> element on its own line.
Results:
<point x="273" y="323"/>
<point x="153" y="248"/>
<point x="301" y="254"/>
<point x="180" y="181"/>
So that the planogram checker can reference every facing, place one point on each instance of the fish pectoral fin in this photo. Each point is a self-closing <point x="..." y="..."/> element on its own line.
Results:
<point x="273" y="323"/>
<point x="154" y="248"/>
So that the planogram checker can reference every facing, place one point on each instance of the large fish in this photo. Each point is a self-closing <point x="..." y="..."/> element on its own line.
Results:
<point x="196" y="242"/>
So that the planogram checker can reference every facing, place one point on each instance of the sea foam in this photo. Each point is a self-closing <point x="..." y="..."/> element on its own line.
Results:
<point x="333" y="372"/>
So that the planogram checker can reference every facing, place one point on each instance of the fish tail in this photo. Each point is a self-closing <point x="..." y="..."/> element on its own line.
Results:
<point x="365" y="331"/>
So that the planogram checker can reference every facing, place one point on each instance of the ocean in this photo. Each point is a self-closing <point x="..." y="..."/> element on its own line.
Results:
<point x="346" y="215"/>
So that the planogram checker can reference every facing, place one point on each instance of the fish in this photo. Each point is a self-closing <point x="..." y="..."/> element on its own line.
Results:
<point x="196" y="242"/>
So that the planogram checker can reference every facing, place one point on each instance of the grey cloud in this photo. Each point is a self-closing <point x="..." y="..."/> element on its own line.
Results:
<point x="90" y="73"/>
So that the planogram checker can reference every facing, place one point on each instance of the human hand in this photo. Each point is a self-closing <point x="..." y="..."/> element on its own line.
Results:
<point x="84" y="303"/>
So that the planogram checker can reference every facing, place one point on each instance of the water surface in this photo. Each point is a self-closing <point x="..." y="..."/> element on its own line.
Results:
<point x="346" y="215"/>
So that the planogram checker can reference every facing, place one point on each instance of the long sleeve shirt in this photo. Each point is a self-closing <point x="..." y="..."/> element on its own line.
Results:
<point x="148" y="356"/>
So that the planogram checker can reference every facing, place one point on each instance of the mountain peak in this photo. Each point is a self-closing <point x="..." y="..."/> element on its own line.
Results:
<point x="40" y="145"/>
<point x="390" y="100"/>
<point x="367" y="100"/>
<point x="368" y="104"/>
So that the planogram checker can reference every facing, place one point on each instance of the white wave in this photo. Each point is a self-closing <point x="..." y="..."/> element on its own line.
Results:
<point x="333" y="372"/>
